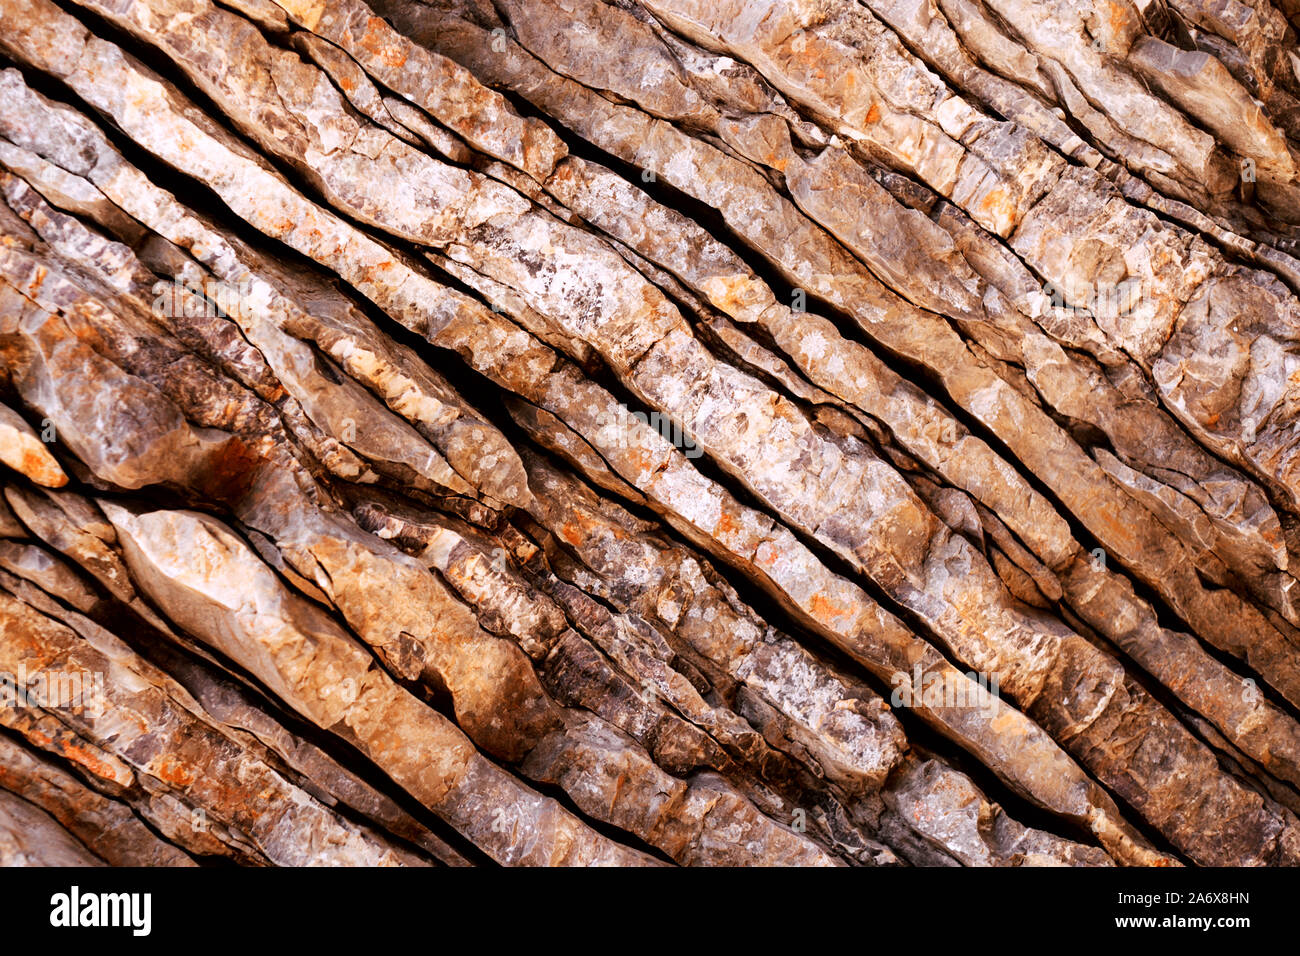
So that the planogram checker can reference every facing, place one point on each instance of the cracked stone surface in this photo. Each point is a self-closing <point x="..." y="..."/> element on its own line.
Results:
<point x="649" y="433"/>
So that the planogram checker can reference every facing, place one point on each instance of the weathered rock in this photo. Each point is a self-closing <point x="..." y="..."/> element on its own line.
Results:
<point x="106" y="826"/>
<point x="23" y="451"/>
<point x="31" y="837"/>
<point x="161" y="749"/>
<point x="675" y="404"/>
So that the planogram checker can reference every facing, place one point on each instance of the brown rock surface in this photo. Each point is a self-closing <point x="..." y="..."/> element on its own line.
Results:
<point x="639" y="432"/>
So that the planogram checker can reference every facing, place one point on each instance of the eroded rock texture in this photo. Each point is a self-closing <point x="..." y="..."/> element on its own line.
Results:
<point x="642" y="432"/>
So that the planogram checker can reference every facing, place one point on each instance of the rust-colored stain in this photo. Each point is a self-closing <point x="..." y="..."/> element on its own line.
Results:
<point x="37" y="464"/>
<point x="730" y="293"/>
<point x="641" y="459"/>
<point x="228" y="472"/>
<point x="87" y="758"/>
<point x="825" y="609"/>
<point x="619" y="784"/>
<point x="571" y="534"/>
<point x="1118" y="17"/>
<point x="377" y="40"/>
<point x="997" y="205"/>
<point x="27" y="644"/>
<point x="38" y="280"/>
<point x="171" y="769"/>
<point x="873" y="114"/>
<point x="564" y="173"/>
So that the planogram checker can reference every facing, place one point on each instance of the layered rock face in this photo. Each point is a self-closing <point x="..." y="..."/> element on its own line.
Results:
<point x="649" y="432"/>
